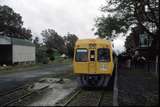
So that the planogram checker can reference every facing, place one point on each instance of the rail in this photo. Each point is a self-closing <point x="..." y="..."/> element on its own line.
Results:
<point x="72" y="97"/>
<point x="8" y="99"/>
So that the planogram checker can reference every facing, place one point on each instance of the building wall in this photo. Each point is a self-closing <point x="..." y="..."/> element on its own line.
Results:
<point x="23" y="53"/>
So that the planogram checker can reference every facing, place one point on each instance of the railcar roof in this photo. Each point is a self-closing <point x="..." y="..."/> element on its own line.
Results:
<point x="97" y="41"/>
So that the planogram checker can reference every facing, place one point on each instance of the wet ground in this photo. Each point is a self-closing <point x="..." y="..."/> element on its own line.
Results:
<point x="13" y="80"/>
<point x="57" y="90"/>
<point x="137" y="87"/>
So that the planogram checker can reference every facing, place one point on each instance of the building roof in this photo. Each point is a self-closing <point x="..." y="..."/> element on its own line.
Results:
<point x="14" y="41"/>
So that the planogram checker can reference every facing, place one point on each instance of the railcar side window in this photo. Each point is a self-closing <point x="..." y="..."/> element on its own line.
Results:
<point x="103" y="55"/>
<point x="81" y="55"/>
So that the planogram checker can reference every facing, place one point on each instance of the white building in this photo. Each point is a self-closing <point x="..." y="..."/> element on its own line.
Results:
<point x="14" y="51"/>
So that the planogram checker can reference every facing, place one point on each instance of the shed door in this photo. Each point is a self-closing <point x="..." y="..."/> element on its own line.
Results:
<point x="92" y="62"/>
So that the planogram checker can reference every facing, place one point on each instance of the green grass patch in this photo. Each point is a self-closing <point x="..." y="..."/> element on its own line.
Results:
<point x="18" y="68"/>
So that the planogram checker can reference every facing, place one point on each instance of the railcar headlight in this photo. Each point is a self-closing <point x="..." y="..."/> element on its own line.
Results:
<point x="92" y="46"/>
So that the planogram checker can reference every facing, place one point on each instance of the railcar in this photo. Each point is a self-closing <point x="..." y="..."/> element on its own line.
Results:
<point x="93" y="62"/>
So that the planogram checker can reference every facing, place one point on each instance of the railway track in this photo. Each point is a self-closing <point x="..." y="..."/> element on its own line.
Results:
<point x="72" y="97"/>
<point x="89" y="98"/>
<point x="13" y="90"/>
<point x="17" y="95"/>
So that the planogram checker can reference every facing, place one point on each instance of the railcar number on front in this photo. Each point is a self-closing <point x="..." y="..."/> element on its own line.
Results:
<point x="103" y="67"/>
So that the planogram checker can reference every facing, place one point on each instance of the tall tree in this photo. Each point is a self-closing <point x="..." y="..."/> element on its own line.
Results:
<point x="110" y="26"/>
<point x="130" y="45"/>
<point x="11" y="24"/>
<point x="36" y="42"/>
<point x="24" y="33"/>
<point x="141" y="13"/>
<point x="144" y="13"/>
<point x="70" y="41"/>
<point x="53" y="40"/>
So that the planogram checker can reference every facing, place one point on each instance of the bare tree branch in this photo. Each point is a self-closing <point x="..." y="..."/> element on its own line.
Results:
<point x="153" y="13"/>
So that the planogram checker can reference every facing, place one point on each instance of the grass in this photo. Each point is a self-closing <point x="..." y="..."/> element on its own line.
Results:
<point x="18" y="68"/>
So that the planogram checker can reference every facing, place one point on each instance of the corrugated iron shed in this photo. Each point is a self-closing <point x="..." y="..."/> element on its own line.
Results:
<point x="14" y="41"/>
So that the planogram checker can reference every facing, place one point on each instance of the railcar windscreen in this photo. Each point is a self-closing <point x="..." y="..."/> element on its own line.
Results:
<point x="81" y="55"/>
<point x="103" y="55"/>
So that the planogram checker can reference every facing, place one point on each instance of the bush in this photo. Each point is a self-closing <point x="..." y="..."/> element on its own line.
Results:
<point x="41" y="56"/>
<point x="50" y="53"/>
<point x="45" y="61"/>
<point x="52" y="58"/>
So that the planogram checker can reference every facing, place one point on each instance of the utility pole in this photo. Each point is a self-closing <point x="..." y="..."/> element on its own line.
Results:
<point x="157" y="54"/>
<point x="148" y="52"/>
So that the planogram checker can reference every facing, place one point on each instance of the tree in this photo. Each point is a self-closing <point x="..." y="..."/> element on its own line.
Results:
<point x="70" y="41"/>
<point x="24" y="33"/>
<point x="130" y="45"/>
<point x="53" y="40"/>
<point x="109" y="26"/>
<point x="143" y="13"/>
<point x="36" y="42"/>
<point x="50" y="52"/>
<point x="41" y="51"/>
<point x="11" y="24"/>
<point x="41" y="55"/>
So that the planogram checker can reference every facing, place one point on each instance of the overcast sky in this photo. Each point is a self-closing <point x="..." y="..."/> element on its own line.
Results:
<point x="74" y="16"/>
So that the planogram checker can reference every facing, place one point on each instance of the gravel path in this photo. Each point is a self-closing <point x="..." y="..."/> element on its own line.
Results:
<point x="94" y="97"/>
<point x="137" y="88"/>
<point x="87" y="98"/>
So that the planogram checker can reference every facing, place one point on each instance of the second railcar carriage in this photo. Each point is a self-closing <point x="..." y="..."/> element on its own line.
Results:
<point x="93" y="62"/>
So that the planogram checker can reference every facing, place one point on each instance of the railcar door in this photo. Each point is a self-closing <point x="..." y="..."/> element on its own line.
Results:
<point x="92" y="62"/>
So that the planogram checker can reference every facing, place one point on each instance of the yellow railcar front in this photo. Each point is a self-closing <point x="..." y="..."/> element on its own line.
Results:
<point x="93" y="56"/>
<point x="93" y="62"/>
